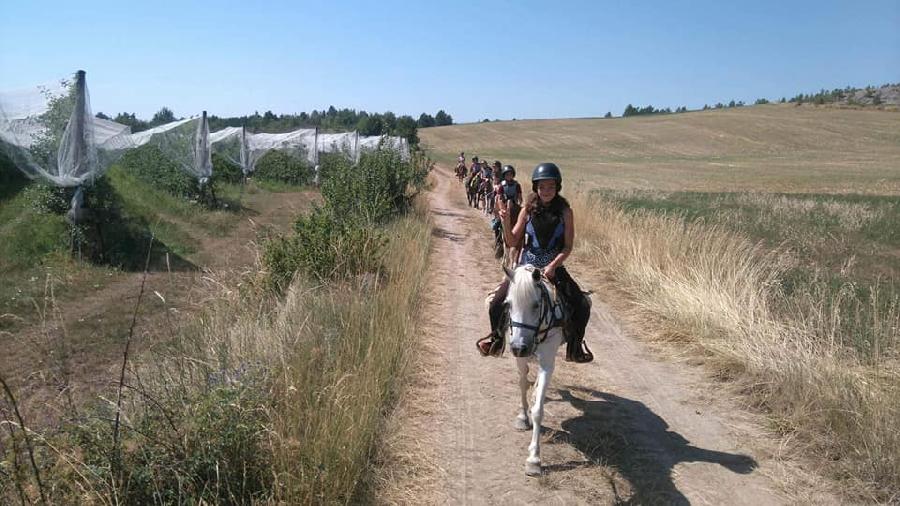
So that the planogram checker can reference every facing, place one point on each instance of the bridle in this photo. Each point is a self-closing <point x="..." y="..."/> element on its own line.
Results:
<point x="547" y="321"/>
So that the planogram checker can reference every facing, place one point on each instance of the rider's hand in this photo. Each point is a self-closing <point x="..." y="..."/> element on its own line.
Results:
<point x="502" y="210"/>
<point x="550" y="272"/>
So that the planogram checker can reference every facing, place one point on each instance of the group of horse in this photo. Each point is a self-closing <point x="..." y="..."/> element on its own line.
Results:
<point x="479" y="189"/>
<point x="532" y="328"/>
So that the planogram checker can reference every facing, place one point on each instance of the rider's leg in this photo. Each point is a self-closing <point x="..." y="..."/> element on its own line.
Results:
<point x="580" y="308"/>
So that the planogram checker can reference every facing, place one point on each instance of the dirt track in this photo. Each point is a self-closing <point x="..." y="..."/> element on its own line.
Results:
<point x="628" y="428"/>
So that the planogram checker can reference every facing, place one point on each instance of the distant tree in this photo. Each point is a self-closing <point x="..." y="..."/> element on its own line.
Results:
<point x="705" y="106"/>
<point x="162" y="116"/>
<point x="406" y="127"/>
<point x="485" y="120"/>
<point x="876" y="99"/>
<point x="731" y="104"/>
<point x="269" y="116"/>
<point x="719" y="105"/>
<point x="629" y="111"/>
<point x="101" y="116"/>
<point x="131" y="120"/>
<point x="761" y="101"/>
<point x="608" y="114"/>
<point x="782" y="100"/>
<point x="425" y="121"/>
<point x="442" y="118"/>
<point x="389" y="120"/>
<point x="332" y="112"/>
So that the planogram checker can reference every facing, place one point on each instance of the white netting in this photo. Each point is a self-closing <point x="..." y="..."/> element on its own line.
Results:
<point x="369" y="143"/>
<point x="50" y="132"/>
<point x="338" y="143"/>
<point x="299" y="143"/>
<point x="231" y="144"/>
<point x="185" y="142"/>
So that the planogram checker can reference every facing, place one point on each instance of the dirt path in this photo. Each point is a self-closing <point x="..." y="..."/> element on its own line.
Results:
<point x="72" y="351"/>
<point x="627" y="428"/>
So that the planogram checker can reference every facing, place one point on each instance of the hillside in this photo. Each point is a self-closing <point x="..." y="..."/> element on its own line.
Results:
<point x="773" y="148"/>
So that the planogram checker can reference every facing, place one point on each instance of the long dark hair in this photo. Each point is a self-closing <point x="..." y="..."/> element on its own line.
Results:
<point x="556" y="206"/>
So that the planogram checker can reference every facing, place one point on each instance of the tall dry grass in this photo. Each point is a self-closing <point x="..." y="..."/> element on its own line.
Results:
<point x="259" y="399"/>
<point x="722" y="293"/>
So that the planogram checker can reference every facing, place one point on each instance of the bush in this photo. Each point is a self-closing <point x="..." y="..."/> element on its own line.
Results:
<point x="224" y="170"/>
<point x="284" y="168"/>
<point x="342" y="237"/>
<point x="149" y="164"/>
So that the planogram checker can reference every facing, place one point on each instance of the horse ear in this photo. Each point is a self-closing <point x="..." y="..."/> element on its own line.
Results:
<point x="509" y="273"/>
<point x="536" y="274"/>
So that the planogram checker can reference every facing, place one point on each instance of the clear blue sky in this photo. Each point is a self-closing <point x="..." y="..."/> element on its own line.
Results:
<point x="495" y="59"/>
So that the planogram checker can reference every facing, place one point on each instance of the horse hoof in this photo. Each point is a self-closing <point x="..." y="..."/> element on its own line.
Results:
<point x="522" y="424"/>
<point x="533" y="469"/>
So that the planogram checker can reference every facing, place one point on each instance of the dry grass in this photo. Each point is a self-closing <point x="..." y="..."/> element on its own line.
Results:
<point x="256" y="400"/>
<point x="720" y="292"/>
<point x="771" y="148"/>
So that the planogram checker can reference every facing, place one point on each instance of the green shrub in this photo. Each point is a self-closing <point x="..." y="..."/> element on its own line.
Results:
<point x="283" y="167"/>
<point x="343" y="237"/>
<point x="191" y="447"/>
<point x="149" y="164"/>
<point x="224" y="170"/>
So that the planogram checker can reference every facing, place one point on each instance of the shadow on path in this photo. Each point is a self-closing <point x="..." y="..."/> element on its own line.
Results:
<point x="628" y="437"/>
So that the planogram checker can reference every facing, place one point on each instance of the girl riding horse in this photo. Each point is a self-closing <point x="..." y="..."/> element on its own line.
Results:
<point x="545" y="233"/>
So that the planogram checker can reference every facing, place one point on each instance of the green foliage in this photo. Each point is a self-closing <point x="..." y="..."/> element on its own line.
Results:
<point x="281" y="167"/>
<point x="342" y="237"/>
<point x="189" y="447"/>
<point x="425" y="121"/>
<point x="149" y="164"/>
<point x="224" y="170"/>
<point x="11" y="178"/>
<point x="442" y="118"/>
<point x="332" y="119"/>
<point x="130" y="119"/>
<point x="163" y="116"/>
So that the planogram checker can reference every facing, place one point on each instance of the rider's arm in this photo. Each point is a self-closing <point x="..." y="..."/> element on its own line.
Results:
<point x="514" y="235"/>
<point x="567" y="247"/>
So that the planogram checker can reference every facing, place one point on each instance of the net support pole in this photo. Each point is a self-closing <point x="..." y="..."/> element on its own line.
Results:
<point x="79" y="114"/>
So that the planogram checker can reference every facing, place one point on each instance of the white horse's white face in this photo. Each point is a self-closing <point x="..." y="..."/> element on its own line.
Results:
<point x="529" y="310"/>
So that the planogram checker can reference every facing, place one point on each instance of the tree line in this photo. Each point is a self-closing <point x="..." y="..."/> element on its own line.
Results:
<point x="331" y="119"/>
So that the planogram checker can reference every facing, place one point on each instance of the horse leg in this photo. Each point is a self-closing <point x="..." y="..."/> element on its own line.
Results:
<point x="522" y="420"/>
<point x="546" y="364"/>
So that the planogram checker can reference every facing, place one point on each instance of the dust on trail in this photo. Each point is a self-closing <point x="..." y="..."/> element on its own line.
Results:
<point x="627" y="428"/>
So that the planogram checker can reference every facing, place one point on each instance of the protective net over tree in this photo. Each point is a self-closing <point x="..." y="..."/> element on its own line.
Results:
<point x="186" y="142"/>
<point x="49" y="132"/>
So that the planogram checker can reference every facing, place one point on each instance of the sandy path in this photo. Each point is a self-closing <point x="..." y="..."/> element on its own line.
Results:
<point x="627" y="428"/>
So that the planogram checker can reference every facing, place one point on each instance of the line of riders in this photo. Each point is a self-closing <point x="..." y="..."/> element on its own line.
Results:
<point x="537" y="230"/>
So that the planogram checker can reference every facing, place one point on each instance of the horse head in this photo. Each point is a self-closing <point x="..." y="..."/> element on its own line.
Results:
<point x="531" y="301"/>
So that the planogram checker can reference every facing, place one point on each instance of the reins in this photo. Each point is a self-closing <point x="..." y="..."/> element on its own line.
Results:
<point x="548" y="316"/>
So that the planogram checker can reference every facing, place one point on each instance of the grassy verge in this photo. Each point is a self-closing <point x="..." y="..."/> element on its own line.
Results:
<point x="260" y="398"/>
<point x="762" y="286"/>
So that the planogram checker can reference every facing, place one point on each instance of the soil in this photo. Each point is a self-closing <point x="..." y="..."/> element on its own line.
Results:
<point x="634" y="427"/>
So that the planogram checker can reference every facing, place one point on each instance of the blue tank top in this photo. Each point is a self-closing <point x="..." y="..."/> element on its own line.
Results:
<point x="540" y="247"/>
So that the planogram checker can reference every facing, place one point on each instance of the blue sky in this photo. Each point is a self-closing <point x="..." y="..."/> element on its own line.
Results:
<point x="494" y="59"/>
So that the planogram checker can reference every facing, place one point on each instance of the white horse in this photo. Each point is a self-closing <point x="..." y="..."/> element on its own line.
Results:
<point x="534" y="320"/>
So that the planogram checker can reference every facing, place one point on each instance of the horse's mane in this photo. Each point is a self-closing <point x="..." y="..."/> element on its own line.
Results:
<point x="523" y="287"/>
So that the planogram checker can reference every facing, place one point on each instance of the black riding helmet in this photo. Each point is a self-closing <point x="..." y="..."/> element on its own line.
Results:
<point x="546" y="170"/>
<point x="507" y="169"/>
